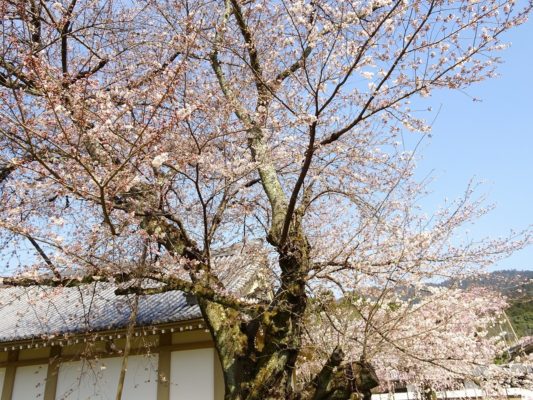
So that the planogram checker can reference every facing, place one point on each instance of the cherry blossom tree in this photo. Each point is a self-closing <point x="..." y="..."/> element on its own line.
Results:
<point x="435" y="340"/>
<point x="162" y="130"/>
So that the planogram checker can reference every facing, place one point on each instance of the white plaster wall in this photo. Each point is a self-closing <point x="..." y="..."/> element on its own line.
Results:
<point x="83" y="380"/>
<point x="30" y="382"/>
<point x="192" y="375"/>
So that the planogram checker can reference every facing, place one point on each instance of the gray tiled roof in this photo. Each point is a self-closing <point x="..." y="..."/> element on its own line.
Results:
<point x="42" y="312"/>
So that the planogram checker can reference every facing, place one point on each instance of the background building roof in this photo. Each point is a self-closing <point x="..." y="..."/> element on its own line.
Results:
<point x="44" y="312"/>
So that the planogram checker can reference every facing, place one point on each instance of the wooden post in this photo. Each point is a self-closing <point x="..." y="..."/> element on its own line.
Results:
<point x="163" y="367"/>
<point x="52" y="373"/>
<point x="218" y="377"/>
<point x="9" y="378"/>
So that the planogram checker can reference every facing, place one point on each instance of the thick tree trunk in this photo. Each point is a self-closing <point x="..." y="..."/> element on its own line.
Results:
<point x="259" y="355"/>
<point x="345" y="381"/>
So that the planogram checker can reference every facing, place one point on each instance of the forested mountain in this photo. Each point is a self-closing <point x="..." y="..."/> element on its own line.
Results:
<point x="514" y="284"/>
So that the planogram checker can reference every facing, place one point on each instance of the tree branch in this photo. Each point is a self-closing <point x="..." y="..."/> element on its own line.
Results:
<point x="336" y="135"/>
<point x="44" y="256"/>
<point x="301" y="178"/>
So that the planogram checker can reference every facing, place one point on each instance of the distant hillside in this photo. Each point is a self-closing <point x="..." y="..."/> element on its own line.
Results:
<point x="511" y="283"/>
<point x="517" y="286"/>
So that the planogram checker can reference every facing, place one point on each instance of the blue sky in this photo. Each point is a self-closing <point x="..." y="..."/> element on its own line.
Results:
<point x="491" y="141"/>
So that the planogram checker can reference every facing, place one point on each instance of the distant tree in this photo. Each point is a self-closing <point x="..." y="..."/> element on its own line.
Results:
<point x="160" y="130"/>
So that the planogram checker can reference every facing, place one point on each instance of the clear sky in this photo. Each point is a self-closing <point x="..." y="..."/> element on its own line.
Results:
<point x="492" y="141"/>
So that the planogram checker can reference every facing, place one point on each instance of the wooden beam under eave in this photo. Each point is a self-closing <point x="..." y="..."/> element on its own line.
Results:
<point x="192" y="325"/>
